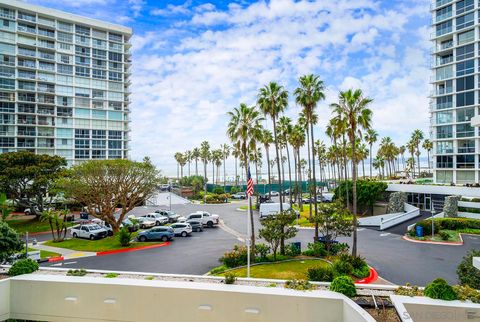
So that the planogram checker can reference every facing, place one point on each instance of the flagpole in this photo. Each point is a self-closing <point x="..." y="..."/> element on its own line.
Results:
<point x="248" y="241"/>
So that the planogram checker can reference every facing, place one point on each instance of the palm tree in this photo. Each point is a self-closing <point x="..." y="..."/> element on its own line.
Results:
<point x="225" y="148"/>
<point x="353" y="107"/>
<point x="297" y="140"/>
<point x="244" y="130"/>
<point x="417" y="137"/>
<point x="273" y="100"/>
<point x="320" y="151"/>
<point x="267" y="139"/>
<point x="402" y="150"/>
<point x="307" y="95"/>
<point x="378" y="164"/>
<point x="205" y="157"/>
<point x="371" y="137"/>
<point x="411" y="146"/>
<point x="217" y="157"/>
<point x="237" y="154"/>
<point x="188" y="158"/>
<point x="285" y="128"/>
<point x="196" y="156"/>
<point x="363" y="154"/>
<point x="428" y="146"/>
<point x="178" y="157"/>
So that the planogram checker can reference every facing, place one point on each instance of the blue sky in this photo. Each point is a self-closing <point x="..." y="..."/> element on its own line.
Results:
<point x="195" y="60"/>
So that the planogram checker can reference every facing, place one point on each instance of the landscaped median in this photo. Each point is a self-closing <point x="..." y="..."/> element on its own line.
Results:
<point x="447" y="231"/>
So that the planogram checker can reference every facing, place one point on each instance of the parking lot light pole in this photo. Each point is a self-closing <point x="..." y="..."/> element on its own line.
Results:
<point x="248" y="241"/>
<point x="170" y="194"/>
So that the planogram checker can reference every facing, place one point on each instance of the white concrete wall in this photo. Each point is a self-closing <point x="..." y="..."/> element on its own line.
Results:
<point x="61" y="298"/>
<point x="424" y="309"/>
<point x="476" y="262"/>
<point x="435" y="189"/>
<point x="4" y="299"/>
<point x="410" y="212"/>
<point x="377" y="220"/>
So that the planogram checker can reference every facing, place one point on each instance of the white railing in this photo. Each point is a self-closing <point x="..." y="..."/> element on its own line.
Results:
<point x="94" y="299"/>
<point x="410" y="212"/>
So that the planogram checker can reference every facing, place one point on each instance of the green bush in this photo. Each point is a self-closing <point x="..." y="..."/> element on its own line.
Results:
<point x="315" y="250"/>
<point x="467" y="293"/>
<point x="409" y="290"/>
<point x="344" y="285"/>
<point x="218" y="270"/>
<point x="237" y="257"/>
<point x="467" y="273"/>
<point x="77" y="272"/>
<point x="10" y="242"/>
<point x="339" y="248"/>
<point x="342" y="267"/>
<point x="444" y="235"/>
<point x="321" y="273"/>
<point x="124" y="237"/>
<point x="292" y="250"/>
<point x="361" y="272"/>
<point x="299" y="285"/>
<point x="441" y="290"/>
<point x="218" y="190"/>
<point x="449" y="224"/>
<point x="412" y="233"/>
<point x="427" y="226"/>
<point x="111" y="275"/>
<point x="261" y="251"/>
<point x="230" y="278"/>
<point x="23" y="266"/>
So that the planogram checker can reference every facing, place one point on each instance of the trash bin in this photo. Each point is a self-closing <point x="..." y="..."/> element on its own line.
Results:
<point x="419" y="231"/>
<point x="297" y="246"/>
<point x="84" y="215"/>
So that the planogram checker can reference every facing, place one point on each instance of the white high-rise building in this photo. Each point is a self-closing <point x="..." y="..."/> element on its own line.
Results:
<point x="64" y="84"/>
<point x="455" y="96"/>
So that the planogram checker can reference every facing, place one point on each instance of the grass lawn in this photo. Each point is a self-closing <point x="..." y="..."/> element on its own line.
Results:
<point x="254" y="207"/>
<point x="44" y="253"/>
<point x="86" y="245"/>
<point x="296" y="269"/>
<point x="30" y="225"/>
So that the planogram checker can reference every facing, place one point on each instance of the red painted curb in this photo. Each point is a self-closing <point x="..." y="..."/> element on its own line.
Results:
<point x="126" y="250"/>
<point x="370" y="279"/>
<point x="55" y="259"/>
<point x="433" y="242"/>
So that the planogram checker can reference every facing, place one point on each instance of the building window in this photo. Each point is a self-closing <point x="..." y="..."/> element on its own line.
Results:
<point x="82" y="144"/>
<point x="465" y="83"/>
<point x="99" y="144"/>
<point x="65" y="69"/>
<point x="81" y="30"/>
<point x="466" y="146"/>
<point x="465" y="130"/>
<point x="444" y="132"/>
<point x="115" y="145"/>
<point x="82" y="133"/>
<point x="465" y="52"/>
<point x="99" y="134"/>
<point x="82" y="71"/>
<point x="465" y="161"/>
<point x="82" y="154"/>
<point x="465" y="176"/>
<point x="465" y="114"/>
<point x="84" y="51"/>
<point x="464" y="6"/>
<point x="115" y="56"/>
<point x="466" y="67"/>
<point x="466" y="37"/>
<point x="99" y="154"/>
<point x="444" y="28"/>
<point x="98" y="73"/>
<point x="444" y="147"/>
<point x="466" y="99"/>
<point x="465" y="21"/>
<point x="444" y="161"/>
<point x="444" y="117"/>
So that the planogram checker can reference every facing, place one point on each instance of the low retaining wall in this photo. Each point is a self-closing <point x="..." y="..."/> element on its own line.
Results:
<point x="389" y="220"/>
<point x="55" y="298"/>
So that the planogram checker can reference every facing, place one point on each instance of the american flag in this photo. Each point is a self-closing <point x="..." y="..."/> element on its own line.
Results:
<point x="249" y="183"/>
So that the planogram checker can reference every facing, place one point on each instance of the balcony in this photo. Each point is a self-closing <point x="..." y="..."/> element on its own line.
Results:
<point x="438" y="3"/>
<point x="89" y="298"/>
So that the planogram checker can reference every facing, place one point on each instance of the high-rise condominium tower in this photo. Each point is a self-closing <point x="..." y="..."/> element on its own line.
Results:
<point x="64" y="84"/>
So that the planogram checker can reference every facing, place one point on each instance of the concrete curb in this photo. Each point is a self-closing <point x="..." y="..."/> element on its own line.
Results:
<point x="434" y="242"/>
<point x="370" y="279"/>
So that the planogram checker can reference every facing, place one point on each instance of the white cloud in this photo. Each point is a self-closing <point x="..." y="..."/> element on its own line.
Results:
<point x="171" y="10"/>
<point x="181" y="95"/>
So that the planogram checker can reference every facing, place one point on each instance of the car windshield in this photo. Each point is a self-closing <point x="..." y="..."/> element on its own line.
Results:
<point x="94" y="227"/>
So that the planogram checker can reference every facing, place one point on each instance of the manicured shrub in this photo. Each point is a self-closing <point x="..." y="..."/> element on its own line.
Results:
<point x="427" y="226"/>
<point x="444" y="235"/>
<point x="218" y="270"/>
<point x="339" y="248"/>
<point x="77" y="272"/>
<point x="23" y="266"/>
<point x="321" y="274"/>
<point x="230" y="278"/>
<point x="233" y="190"/>
<point x="218" y="190"/>
<point x="299" y="285"/>
<point x="237" y="257"/>
<point x="409" y="290"/>
<point x="467" y="273"/>
<point x="111" y="275"/>
<point x="441" y="290"/>
<point x="467" y="293"/>
<point x="412" y="233"/>
<point x="342" y="267"/>
<point x="361" y="272"/>
<point x="124" y="237"/>
<point x="261" y="251"/>
<point x="292" y="250"/>
<point x="344" y="285"/>
<point x="315" y="250"/>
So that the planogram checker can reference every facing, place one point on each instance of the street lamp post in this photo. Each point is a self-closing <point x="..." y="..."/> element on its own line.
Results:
<point x="433" y="226"/>
<point x="170" y="194"/>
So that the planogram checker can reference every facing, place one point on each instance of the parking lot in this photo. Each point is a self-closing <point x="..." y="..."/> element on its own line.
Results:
<point x="395" y="259"/>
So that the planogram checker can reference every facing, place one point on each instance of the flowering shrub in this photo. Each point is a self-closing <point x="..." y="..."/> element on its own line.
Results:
<point x="236" y="257"/>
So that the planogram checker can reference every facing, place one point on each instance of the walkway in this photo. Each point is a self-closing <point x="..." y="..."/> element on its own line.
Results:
<point x="65" y="253"/>
<point x="401" y="229"/>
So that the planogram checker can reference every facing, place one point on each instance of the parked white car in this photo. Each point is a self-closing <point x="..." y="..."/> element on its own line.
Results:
<point x="182" y="229"/>
<point x="157" y="218"/>
<point x="90" y="231"/>
<point x="143" y="222"/>
<point x="271" y="209"/>
<point x="206" y="218"/>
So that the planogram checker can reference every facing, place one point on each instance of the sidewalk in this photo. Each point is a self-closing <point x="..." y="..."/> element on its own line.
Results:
<point x="65" y="253"/>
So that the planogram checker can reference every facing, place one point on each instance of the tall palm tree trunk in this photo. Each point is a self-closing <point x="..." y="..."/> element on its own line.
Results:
<point x="189" y="168"/>
<point x="345" y="164"/>
<point x="269" y="175"/>
<point x="300" y="202"/>
<point x="296" y="179"/>
<point x="236" y="172"/>
<point x="278" y="164"/>
<point x="196" y="167"/>
<point x="354" y="192"/>
<point x="370" y="161"/>
<point x="289" y="175"/>
<point x="213" y="173"/>
<point x="314" y="179"/>
<point x="363" y="168"/>
<point x="224" y="176"/>
<point x="310" y="210"/>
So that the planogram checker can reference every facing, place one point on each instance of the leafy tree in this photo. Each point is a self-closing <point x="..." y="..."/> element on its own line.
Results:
<point x="467" y="273"/>
<point x="57" y="221"/>
<point x="275" y="230"/>
<point x="104" y="185"/>
<point x="333" y="220"/>
<point x="352" y="107"/>
<point x="28" y="177"/>
<point x="5" y="209"/>
<point x="368" y="192"/>
<point x="10" y="242"/>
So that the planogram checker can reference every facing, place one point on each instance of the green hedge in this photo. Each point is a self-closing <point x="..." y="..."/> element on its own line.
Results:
<point x="449" y="224"/>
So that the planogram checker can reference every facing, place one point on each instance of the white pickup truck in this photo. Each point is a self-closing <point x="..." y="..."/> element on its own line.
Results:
<point x="90" y="231"/>
<point x="206" y="218"/>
